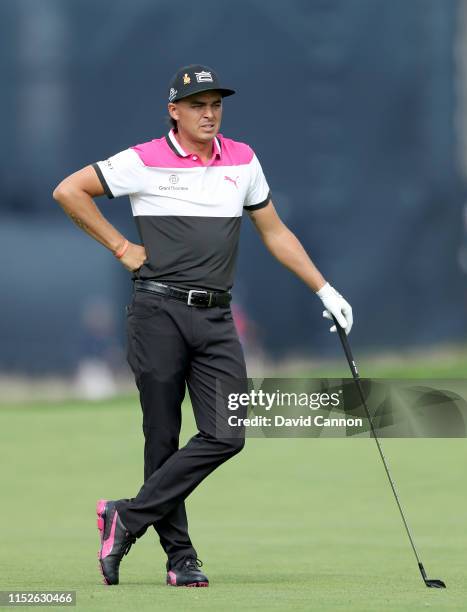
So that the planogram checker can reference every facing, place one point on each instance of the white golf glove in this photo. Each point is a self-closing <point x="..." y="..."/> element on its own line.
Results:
<point x="337" y="306"/>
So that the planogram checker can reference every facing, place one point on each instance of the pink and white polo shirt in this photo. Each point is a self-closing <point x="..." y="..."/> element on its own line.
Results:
<point x="188" y="215"/>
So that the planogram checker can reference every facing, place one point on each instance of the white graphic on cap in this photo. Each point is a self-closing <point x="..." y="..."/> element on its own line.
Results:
<point x="172" y="94"/>
<point x="203" y="77"/>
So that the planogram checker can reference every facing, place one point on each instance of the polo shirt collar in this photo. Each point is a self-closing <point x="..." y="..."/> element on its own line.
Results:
<point x="178" y="150"/>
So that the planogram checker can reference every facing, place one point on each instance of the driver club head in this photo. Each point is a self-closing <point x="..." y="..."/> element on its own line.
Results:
<point x="435" y="584"/>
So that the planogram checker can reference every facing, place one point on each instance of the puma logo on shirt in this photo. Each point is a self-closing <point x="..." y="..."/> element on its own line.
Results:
<point x="234" y="181"/>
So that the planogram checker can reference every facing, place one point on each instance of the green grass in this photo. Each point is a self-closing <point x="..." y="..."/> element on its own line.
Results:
<point x="302" y="524"/>
<point x="450" y="362"/>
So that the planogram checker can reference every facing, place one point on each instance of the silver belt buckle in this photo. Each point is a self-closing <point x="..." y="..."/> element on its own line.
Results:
<point x="193" y="291"/>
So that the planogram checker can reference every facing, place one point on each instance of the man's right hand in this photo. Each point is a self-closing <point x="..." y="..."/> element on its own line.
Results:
<point x="134" y="257"/>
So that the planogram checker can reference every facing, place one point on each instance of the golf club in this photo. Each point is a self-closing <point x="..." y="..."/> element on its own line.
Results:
<point x="429" y="582"/>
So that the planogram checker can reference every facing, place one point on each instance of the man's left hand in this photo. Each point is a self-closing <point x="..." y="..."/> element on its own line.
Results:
<point x="336" y="305"/>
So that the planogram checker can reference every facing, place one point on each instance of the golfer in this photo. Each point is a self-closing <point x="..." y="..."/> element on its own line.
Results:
<point x="188" y="191"/>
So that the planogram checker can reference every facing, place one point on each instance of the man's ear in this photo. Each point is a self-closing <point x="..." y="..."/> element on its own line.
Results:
<point x="173" y="110"/>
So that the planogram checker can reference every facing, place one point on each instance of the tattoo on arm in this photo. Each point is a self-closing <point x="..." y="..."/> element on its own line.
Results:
<point x="79" y="223"/>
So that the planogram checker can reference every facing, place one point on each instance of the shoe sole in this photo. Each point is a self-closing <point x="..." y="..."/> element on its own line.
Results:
<point x="100" y="511"/>
<point x="172" y="581"/>
<point x="192" y="584"/>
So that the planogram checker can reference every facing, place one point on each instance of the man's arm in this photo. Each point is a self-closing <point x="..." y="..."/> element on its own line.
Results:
<point x="287" y="249"/>
<point x="75" y="195"/>
<point x="285" y="246"/>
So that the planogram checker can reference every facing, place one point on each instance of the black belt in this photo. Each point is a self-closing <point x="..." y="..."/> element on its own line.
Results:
<point x="193" y="297"/>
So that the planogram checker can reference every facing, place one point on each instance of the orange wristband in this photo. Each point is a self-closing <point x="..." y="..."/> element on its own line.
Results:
<point x="123" y="250"/>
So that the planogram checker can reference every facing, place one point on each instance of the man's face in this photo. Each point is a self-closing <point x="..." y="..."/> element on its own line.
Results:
<point x="198" y="116"/>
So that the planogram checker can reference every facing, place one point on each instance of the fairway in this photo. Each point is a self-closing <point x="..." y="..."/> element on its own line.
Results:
<point x="300" y="524"/>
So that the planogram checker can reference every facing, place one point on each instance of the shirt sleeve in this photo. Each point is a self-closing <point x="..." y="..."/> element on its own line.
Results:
<point x="120" y="174"/>
<point x="258" y="194"/>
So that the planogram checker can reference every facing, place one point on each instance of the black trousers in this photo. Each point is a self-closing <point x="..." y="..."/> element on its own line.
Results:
<point x="170" y="345"/>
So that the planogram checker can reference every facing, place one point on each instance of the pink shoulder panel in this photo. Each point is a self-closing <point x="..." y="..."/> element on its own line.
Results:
<point x="157" y="153"/>
<point x="234" y="153"/>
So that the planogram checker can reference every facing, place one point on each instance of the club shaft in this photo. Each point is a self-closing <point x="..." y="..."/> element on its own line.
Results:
<point x="356" y="376"/>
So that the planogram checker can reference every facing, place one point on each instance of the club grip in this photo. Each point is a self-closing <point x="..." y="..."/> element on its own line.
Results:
<point x="346" y="347"/>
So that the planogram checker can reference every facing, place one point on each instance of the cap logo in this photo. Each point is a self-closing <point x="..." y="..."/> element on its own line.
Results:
<point x="203" y="77"/>
<point x="186" y="79"/>
<point x="172" y="94"/>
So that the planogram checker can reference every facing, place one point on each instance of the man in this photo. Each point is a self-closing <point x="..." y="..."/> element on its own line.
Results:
<point x="188" y="191"/>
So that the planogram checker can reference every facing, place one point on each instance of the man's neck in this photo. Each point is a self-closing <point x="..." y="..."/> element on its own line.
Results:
<point x="203" y="149"/>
